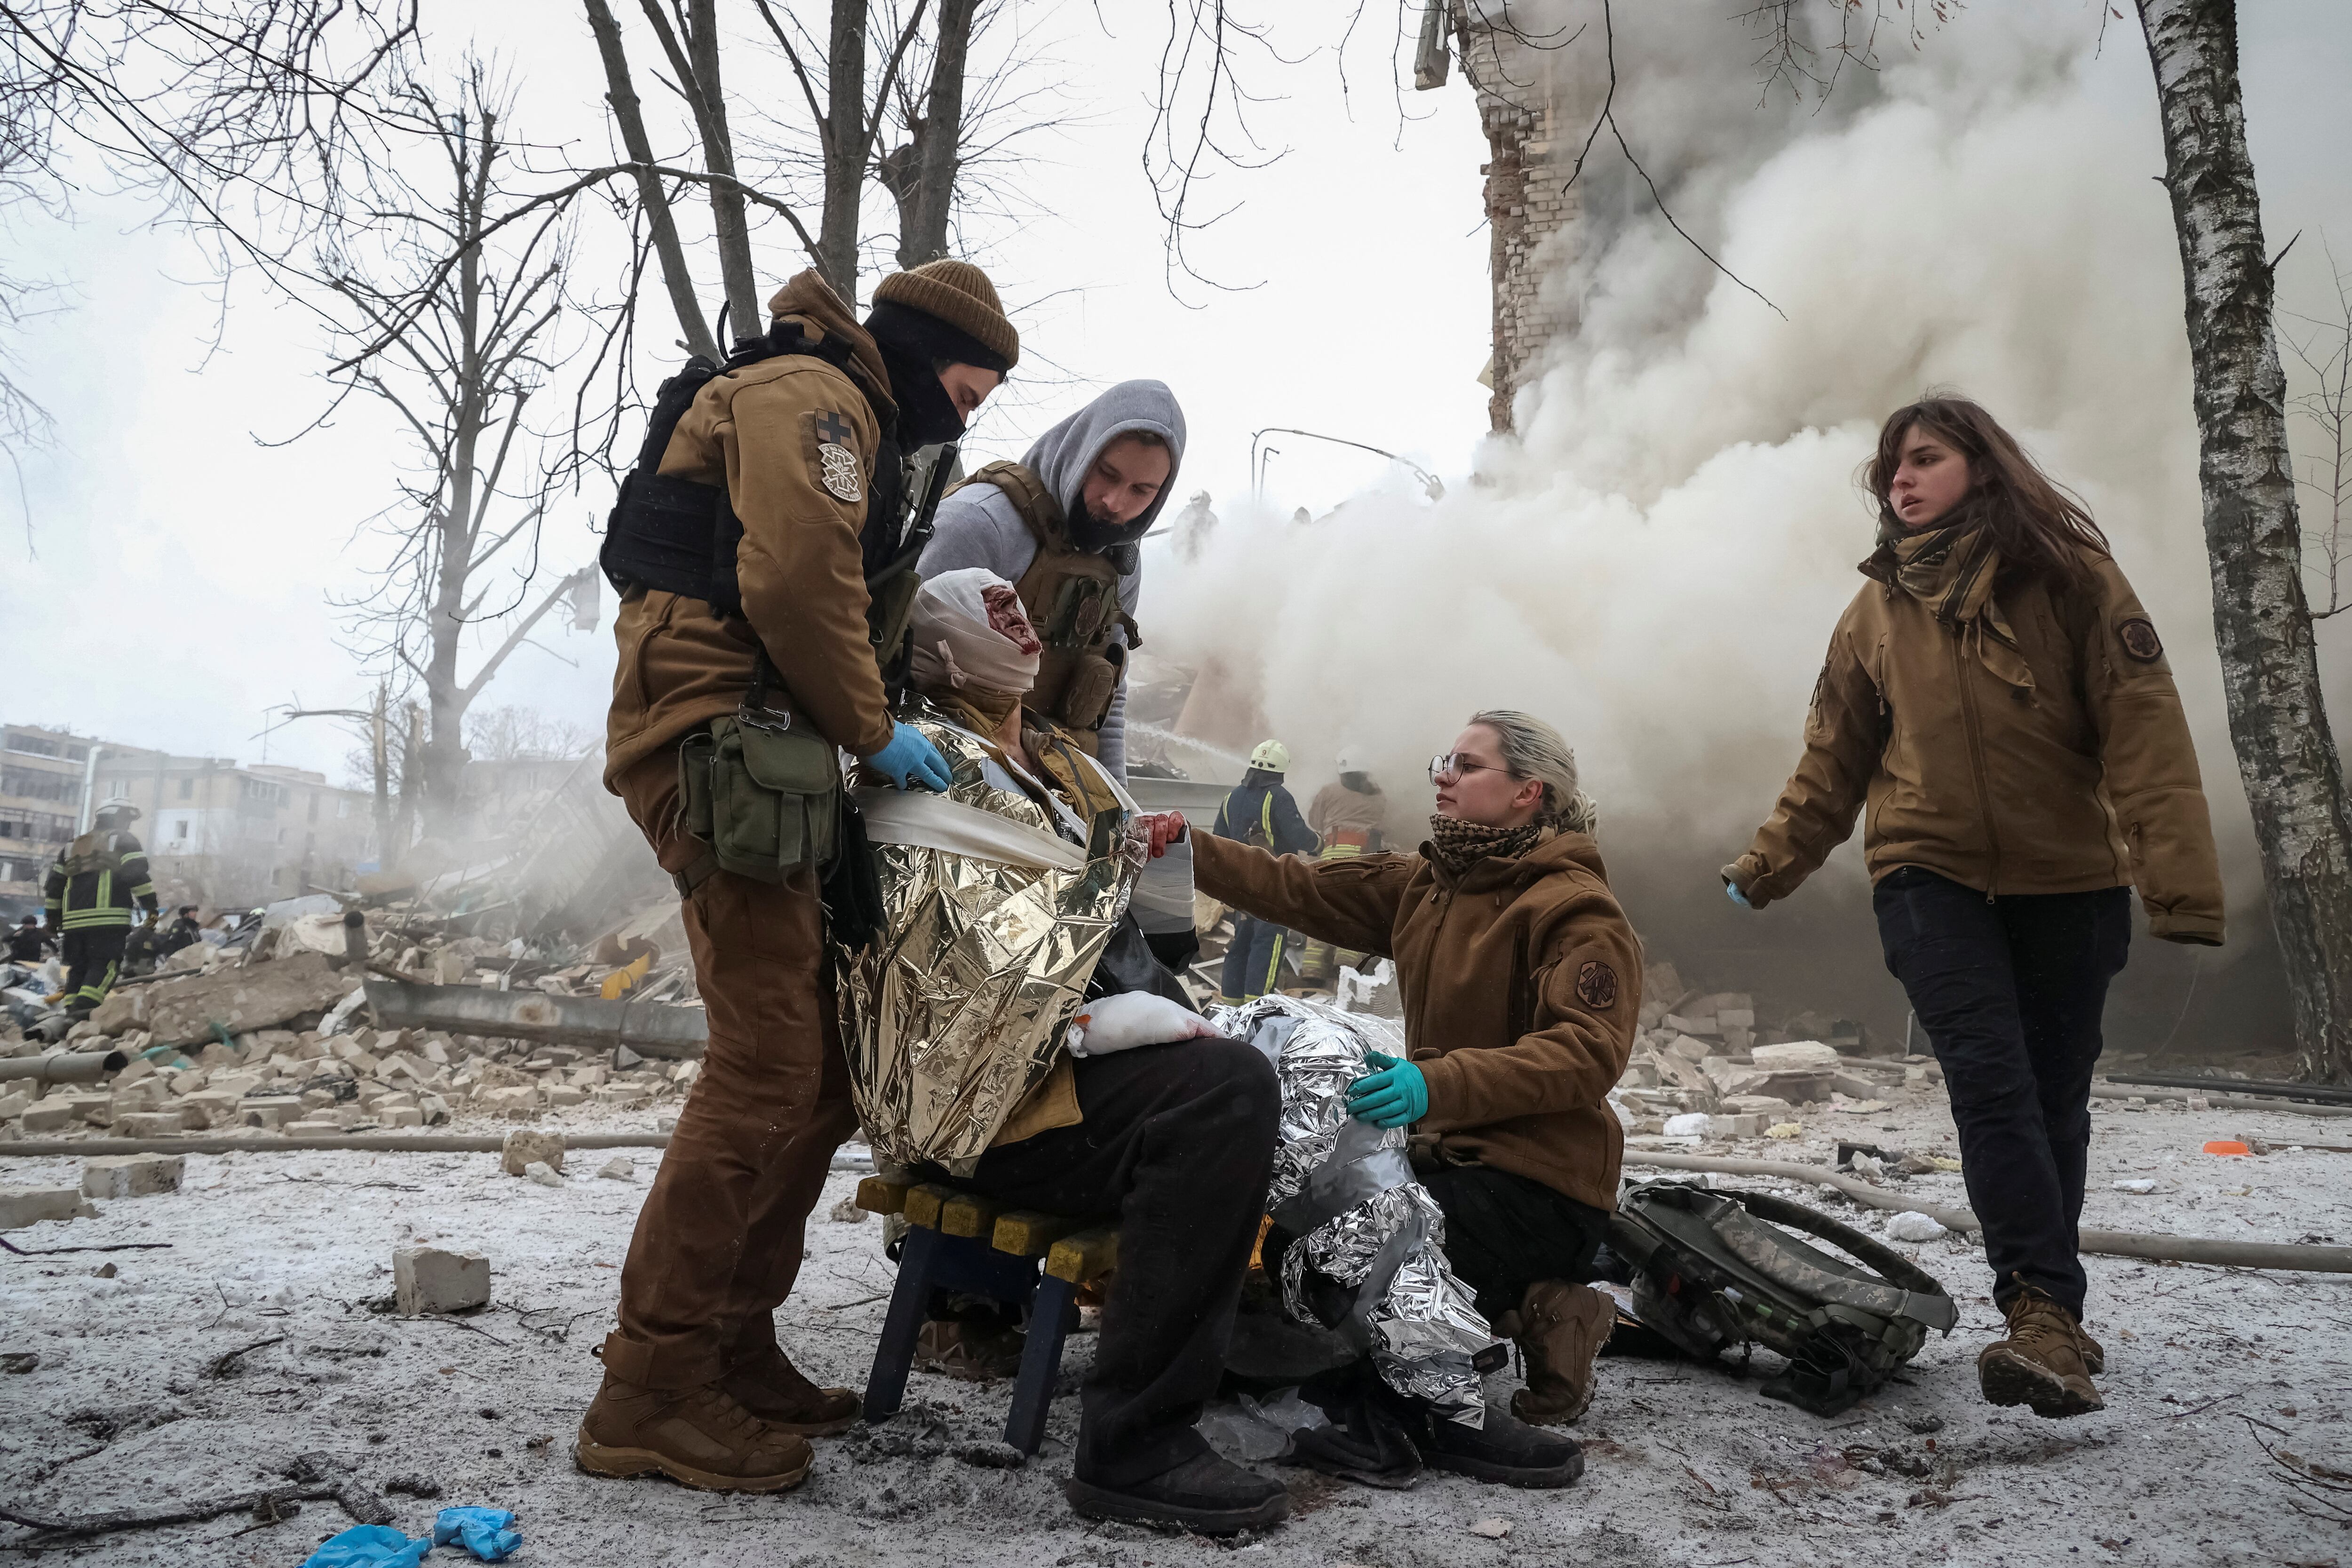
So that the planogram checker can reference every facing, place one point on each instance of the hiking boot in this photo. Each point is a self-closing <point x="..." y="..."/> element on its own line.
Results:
<point x="2040" y="1364"/>
<point x="974" y="1353"/>
<point x="698" y="1436"/>
<point x="1560" y="1328"/>
<point x="1364" y="1444"/>
<point x="1209" y="1495"/>
<point x="770" y="1387"/>
<point x="1504" y="1449"/>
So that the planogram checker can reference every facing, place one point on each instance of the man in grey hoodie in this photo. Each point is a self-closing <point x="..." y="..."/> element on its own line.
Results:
<point x="1063" y="525"/>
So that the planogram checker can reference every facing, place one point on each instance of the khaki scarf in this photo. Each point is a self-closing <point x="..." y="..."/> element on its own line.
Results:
<point x="1951" y="569"/>
<point x="1457" y="846"/>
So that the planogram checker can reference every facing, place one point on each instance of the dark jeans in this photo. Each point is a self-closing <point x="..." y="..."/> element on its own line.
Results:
<point x="1178" y="1139"/>
<point x="2010" y="992"/>
<point x="1505" y="1231"/>
<point x="1254" y="961"/>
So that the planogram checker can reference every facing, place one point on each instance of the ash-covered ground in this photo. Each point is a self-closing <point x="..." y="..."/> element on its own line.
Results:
<point x="1687" y="1465"/>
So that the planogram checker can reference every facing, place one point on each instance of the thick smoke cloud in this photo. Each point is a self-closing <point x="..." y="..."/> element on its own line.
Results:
<point x="1657" y="566"/>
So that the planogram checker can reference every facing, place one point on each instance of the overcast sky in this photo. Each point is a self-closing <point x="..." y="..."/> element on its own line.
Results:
<point x="174" y="584"/>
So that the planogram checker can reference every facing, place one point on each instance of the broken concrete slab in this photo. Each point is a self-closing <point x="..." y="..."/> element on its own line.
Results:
<point x="427" y="1280"/>
<point x="540" y="1172"/>
<point x="51" y="1115"/>
<point x="620" y="1168"/>
<point x="524" y="1146"/>
<point x="172" y="1123"/>
<point x="132" y="1175"/>
<point x="21" y="1207"/>
<point x="1797" y="1055"/>
<point x="245" y="996"/>
<point x="271" y="1109"/>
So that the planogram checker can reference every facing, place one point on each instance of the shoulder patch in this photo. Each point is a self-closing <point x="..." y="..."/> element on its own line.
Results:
<point x="2140" y="639"/>
<point x="1596" y="985"/>
<point x="826" y="435"/>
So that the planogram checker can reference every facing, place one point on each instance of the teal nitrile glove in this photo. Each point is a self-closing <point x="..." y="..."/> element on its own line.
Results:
<point x="370" y="1546"/>
<point x="487" y="1532"/>
<point x="1731" y="890"/>
<point x="910" y="759"/>
<point x="1393" y="1097"/>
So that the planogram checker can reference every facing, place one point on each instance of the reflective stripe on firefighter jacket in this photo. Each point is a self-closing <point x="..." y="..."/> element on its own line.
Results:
<point x="96" y="881"/>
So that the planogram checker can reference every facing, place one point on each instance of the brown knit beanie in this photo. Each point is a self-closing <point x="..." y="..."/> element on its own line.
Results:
<point x="960" y="294"/>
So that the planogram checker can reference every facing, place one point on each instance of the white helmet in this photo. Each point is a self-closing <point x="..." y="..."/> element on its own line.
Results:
<point x="1271" y="755"/>
<point x="119" y="808"/>
<point x="1351" y="760"/>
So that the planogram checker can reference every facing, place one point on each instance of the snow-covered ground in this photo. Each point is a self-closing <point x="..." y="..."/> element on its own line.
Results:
<point x="1687" y="1465"/>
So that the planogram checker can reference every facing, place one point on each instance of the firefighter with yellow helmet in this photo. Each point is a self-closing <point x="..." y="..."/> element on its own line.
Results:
<point x="1260" y="811"/>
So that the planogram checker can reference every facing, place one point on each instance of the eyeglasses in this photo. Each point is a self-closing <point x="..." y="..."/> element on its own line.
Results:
<point x="1449" y="767"/>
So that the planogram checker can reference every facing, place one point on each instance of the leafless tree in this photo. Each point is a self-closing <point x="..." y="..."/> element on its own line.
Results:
<point x="2324" y="350"/>
<point x="2287" y="758"/>
<point x="510" y="734"/>
<point x="464" y="353"/>
<point x="237" y="116"/>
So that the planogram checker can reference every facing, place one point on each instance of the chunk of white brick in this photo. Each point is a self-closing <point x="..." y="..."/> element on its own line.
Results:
<point x="132" y="1175"/>
<point x="21" y="1207"/>
<point x="427" y="1280"/>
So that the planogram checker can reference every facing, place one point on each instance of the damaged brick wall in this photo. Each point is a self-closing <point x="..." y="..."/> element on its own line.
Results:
<point x="1533" y="132"/>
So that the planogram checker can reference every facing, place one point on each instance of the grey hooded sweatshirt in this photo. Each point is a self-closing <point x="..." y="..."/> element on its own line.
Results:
<point x="977" y="526"/>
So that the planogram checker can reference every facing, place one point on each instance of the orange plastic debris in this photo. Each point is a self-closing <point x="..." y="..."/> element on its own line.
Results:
<point x="2227" y="1146"/>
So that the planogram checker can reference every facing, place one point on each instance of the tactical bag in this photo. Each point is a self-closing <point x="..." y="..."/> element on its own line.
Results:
<point x="1714" y="1270"/>
<point x="98" y="851"/>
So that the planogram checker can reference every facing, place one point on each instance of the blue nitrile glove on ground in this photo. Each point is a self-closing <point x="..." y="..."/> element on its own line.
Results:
<point x="1393" y="1097"/>
<point x="369" y="1546"/>
<point x="487" y="1532"/>
<point x="910" y="759"/>
<point x="1731" y="890"/>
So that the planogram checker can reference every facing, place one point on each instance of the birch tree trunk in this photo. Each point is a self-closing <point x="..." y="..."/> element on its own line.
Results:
<point x="2270" y="672"/>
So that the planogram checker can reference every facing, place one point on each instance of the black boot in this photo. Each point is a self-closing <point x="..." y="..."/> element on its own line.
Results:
<point x="1504" y="1449"/>
<point x="1209" y="1495"/>
<point x="1363" y="1443"/>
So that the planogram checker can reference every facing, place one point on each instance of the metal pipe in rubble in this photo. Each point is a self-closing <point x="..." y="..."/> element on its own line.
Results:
<point x="361" y="1142"/>
<point x="66" y="1067"/>
<point x="2106" y="1243"/>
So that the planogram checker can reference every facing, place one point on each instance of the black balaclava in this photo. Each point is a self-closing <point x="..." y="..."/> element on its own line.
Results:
<point x="914" y="344"/>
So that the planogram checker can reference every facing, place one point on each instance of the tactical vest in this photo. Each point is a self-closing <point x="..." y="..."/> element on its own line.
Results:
<point x="1071" y="596"/>
<point x="680" y="536"/>
<point x="94" y="851"/>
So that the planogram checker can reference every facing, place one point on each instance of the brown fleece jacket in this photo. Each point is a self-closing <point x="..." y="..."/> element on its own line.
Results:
<point x="1521" y="982"/>
<point x="758" y="431"/>
<point x="2086" y="778"/>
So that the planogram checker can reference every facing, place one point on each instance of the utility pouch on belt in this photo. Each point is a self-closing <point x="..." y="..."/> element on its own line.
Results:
<point x="766" y="797"/>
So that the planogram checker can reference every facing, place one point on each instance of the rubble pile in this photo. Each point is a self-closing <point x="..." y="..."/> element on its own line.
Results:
<point x="1701" y="1066"/>
<point x="270" y="1032"/>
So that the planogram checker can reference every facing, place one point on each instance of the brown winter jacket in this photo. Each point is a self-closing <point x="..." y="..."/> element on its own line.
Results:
<point x="756" y="431"/>
<point x="2085" y="780"/>
<point x="1522" y="983"/>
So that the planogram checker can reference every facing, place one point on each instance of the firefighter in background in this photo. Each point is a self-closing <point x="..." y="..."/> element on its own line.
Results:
<point x="1260" y="811"/>
<point x="1346" y="816"/>
<point x="91" y="888"/>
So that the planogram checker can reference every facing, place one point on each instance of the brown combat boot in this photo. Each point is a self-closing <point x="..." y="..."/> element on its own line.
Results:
<point x="699" y="1436"/>
<point x="1560" y="1328"/>
<point x="765" y="1382"/>
<point x="2040" y="1364"/>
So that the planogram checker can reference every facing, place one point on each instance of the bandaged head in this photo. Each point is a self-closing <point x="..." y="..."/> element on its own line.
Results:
<point x="972" y="642"/>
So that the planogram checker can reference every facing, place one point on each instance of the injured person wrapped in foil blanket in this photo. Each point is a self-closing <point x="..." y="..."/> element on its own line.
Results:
<point x="1370" y="1259"/>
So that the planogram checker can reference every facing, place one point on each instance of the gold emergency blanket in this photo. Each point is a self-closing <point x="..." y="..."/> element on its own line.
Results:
<point x="958" y="1010"/>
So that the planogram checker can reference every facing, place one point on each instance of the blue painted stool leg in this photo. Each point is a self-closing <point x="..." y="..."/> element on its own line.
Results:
<point x="886" y="1386"/>
<point x="1041" y="1363"/>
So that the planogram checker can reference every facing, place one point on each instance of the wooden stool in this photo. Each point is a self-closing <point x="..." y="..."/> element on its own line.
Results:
<point x="962" y="1241"/>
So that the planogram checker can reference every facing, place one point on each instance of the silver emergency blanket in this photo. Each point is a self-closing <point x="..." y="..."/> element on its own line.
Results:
<point x="1346" y="1189"/>
<point x="995" y="910"/>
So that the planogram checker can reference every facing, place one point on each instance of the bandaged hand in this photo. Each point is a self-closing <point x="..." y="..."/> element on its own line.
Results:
<point x="1396" y="1096"/>
<point x="1129" y="1019"/>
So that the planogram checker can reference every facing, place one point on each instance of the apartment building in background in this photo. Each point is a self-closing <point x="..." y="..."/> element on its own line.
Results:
<point x="217" y="834"/>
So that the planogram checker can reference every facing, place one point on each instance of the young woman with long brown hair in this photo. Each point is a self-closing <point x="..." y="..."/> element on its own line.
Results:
<point x="1999" y="703"/>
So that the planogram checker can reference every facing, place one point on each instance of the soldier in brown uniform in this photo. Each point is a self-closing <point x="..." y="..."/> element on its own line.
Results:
<point x="798" y="441"/>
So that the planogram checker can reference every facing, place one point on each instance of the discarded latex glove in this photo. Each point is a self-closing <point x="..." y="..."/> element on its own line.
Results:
<point x="487" y="1532"/>
<point x="910" y="759"/>
<point x="1129" y="1019"/>
<point x="1392" y="1097"/>
<point x="1731" y="890"/>
<point x="369" y="1546"/>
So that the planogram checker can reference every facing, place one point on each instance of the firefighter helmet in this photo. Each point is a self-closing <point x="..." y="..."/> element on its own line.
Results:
<point x="1272" y="756"/>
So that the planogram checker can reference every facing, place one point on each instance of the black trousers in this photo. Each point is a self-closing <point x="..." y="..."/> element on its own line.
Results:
<point x="2011" y="993"/>
<point x="1505" y="1231"/>
<point x="1179" y="1141"/>
<point x="93" y="960"/>
<point x="1253" y="961"/>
